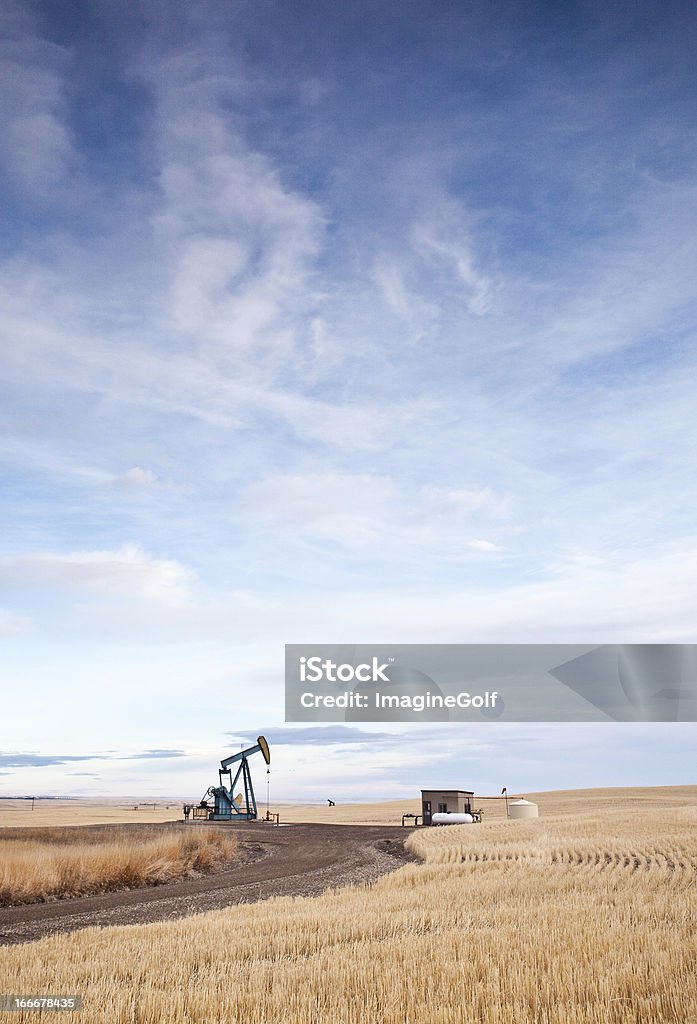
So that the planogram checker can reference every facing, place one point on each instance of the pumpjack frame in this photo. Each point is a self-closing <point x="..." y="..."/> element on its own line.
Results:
<point x="228" y="807"/>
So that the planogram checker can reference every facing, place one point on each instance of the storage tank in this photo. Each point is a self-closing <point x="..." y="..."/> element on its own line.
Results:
<point x="441" y="818"/>
<point x="522" y="809"/>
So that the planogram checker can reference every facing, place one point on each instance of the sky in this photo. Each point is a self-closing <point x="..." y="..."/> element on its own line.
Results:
<point x="338" y="323"/>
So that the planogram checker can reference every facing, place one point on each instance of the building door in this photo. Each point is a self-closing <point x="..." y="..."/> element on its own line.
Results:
<point x="427" y="812"/>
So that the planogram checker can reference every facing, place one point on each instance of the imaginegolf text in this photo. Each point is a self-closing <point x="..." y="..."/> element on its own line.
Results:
<point x="411" y="702"/>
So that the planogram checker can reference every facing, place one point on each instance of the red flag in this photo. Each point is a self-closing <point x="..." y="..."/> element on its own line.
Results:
<point x="504" y="790"/>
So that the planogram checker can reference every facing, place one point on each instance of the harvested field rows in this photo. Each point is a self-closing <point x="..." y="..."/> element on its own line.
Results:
<point x="665" y="846"/>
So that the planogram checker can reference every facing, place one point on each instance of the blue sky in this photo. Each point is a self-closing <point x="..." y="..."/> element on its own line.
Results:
<point x="342" y="323"/>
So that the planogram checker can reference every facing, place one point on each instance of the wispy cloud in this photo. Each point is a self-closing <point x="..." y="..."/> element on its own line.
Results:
<point x="128" y="571"/>
<point x="155" y="755"/>
<point x="375" y="517"/>
<point x="320" y="735"/>
<point x="35" y="148"/>
<point x="42" y="760"/>
<point x="136" y="477"/>
<point x="449" y="249"/>
<point x="13" y="625"/>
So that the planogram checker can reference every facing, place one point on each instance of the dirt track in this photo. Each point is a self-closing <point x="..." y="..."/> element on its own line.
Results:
<point x="294" y="860"/>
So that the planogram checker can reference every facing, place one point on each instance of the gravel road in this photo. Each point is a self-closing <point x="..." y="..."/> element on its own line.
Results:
<point x="293" y="860"/>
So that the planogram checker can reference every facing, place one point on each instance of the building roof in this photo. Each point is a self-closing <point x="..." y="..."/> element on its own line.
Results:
<point x="464" y="792"/>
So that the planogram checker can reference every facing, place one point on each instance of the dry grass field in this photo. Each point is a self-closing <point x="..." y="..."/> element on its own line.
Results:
<point x="587" y="915"/>
<point x="389" y="812"/>
<point x="46" y="864"/>
<point x="19" y="814"/>
<point x="48" y="813"/>
<point x="561" y="802"/>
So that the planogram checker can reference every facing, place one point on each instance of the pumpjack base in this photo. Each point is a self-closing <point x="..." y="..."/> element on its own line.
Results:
<point x="232" y="817"/>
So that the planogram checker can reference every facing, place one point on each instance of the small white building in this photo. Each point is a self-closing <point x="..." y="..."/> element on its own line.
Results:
<point x="445" y="801"/>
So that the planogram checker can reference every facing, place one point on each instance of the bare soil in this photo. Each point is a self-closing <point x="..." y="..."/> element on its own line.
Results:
<point x="293" y="860"/>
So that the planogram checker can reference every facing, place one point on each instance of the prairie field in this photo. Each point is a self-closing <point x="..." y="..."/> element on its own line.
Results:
<point x="583" y="916"/>
<point x="38" y="865"/>
<point x="19" y="813"/>
<point x="556" y="802"/>
<point x="48" y="813"/>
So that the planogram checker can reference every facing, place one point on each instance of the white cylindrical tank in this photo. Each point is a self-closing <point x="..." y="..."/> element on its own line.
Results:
<point x="453" y="818"/>
<point x="522" y="809"/>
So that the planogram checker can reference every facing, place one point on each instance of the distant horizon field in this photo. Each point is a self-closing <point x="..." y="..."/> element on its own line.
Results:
<point x="17" y="812"/>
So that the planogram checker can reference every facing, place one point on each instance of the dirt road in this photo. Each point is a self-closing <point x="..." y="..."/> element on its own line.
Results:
<point x="294" y="860"/>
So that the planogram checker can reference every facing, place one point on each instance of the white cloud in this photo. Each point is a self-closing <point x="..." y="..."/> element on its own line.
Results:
<point x="238" y="243"/>
<point x="241" y="246"/>
<point x="445" y="244"/>
<point x="374" y="516"/>
<point x="136" y="477"/>
<point x="35" y="144"/>
<point x="13" y="625"/>
<point x="628" y="598"/>
<point x="483" y="545"/>
<point x="397" y="281"/>
<point x="126" y="572"/>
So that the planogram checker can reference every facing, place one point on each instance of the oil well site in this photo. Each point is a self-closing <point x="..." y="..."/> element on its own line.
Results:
<point x="290" y="850"/>
<point x="274" y="850"/>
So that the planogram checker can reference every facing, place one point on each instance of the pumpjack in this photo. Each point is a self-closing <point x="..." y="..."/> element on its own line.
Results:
<point x="227" y="807"/>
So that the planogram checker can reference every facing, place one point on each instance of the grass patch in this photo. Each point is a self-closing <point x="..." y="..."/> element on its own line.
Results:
<point x="40" y="865"/>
